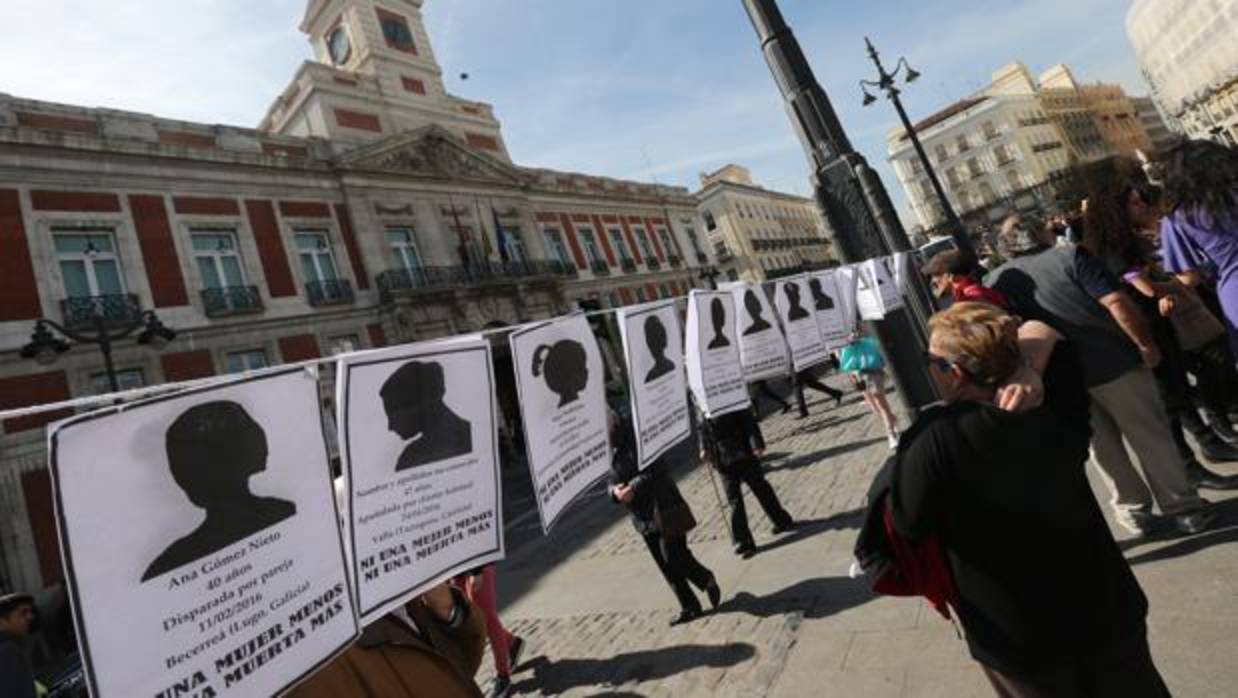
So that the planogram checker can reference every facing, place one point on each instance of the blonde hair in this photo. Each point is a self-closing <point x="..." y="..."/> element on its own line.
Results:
<point x="981" y="338"/>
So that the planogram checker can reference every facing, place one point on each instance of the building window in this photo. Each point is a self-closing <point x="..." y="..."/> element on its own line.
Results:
<point x="640" y="294"/>
<point x="396" y="32"/>
<point x="343" y="344"/>
<point x="126" y="379"/>
<point x="667" y="245"/>
<point x="218" y="261"/>
<point x="964" y="146"/>
<point x="940" y="152"/>
<point x="590" y="244"/>
<point x="404" y="246"/>
<point x="554" y="245"/>
<point x="317" y="262"/>
<point x="990" y="131"/>
<point x="642" y="241"/>
<point x="665" y="290"/>
<point x="710" y="223"/>
<point x="510" y="242"/>
<point x="241" y="361"/>
<point x="88" y="264"/>
<point x="696" y="244"/>
<point x="616" y="241"/>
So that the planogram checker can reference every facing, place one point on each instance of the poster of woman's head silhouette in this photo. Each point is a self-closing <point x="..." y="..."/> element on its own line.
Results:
<point x="178" y="508"/>
<point x="420" y="453"/>
<point x="762" y="346"/>
<point x="712" y="360"/>
<point x="559" y="379"/>
<point x="653" y="349"/>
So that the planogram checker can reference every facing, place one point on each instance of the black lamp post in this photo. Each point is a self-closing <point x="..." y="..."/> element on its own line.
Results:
<point x="887" y="82"/>
<point x="45" y="348"/>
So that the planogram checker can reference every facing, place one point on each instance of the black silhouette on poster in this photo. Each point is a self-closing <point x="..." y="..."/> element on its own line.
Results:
<point x="565" y="366"/>
<point x="213" y="449"/>
<point x="655" y="339"/>
<point x="796" y="310"/>
<point x="821" y="300"/>
<point x="413" y="400"/>
<point x="717" y="314"/>
<point x="755" y="313"/>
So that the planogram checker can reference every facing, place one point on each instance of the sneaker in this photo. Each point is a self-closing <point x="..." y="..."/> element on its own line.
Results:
<point x="686" y="616"/>
<point x="1194" y="522"/>
<point x="786" y="527"/>
<point x="745" y="551"/>
<point x="514" y="649"/>
<point x="892" y="439"/>
<point x="500" y="687"/>
<point x="1141" y="524"/>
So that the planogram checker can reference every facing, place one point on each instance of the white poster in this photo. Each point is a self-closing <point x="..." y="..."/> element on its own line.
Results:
<point x="845" y="280"/>
<point x="715" y="374"/>
<point x="201" y="540"/>
<point x="762" y="347"/>
<point x="794" y="300"/>
<point x="560" y="380"/>
<point x="867" y="297"/>
<point x="828" y="309"/>
<point x="903" y="270"/>
<point x="420" y="453"/>
<point x="653" y="346"/>
<point x="887" y="285"/>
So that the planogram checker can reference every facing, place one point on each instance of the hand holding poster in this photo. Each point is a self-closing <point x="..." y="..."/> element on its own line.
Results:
<point x="828" y="309"/>
<point x="421" y="457"/>
<point x="792" y="296"/>
<point x="559" y="377"/>
<point x="715" y="374"/>
<point x="202" y="542"/>
<point x="653" y="348"/>
<point x="762" y="348"/>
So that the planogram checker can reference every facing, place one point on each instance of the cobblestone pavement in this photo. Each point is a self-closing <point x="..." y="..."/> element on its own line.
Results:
<point x="595" y="612"/>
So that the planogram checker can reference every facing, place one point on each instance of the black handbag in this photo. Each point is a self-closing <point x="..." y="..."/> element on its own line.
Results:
<point x="674" y="522"/>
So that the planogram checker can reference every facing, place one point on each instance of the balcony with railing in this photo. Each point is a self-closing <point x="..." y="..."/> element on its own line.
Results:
<point x="433" y="278"/>
<point x="231" y="300"/>
<point x="329" y="292"/>
<point x="675" y="261"/>
<point x="600" y="267"/>
<point x="702" y="258"/>
<point x="628" y="265"/>
<point x="115" y="310"/>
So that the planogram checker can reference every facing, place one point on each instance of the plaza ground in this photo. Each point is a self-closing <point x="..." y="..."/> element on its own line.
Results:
<point x="595" y="611"/>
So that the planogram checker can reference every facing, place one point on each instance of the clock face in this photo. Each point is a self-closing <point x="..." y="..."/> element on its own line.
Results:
<point x="338" y="46"/>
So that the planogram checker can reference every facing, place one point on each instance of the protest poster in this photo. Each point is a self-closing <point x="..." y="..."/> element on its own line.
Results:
<point x="793" y="298"/>
<point x="845" y="280"/>
<point x="201" y="540"/>
<point x="762" y="347"/>
<point x="715" y="374"/>
<point x="889" y="292"/>
<point x="903" y="270"/>
<point x="828" y="309"/>
<point x="653" y="350"/>
<point x="867" y="297"/>
<point x="420" y="452"/>
<point x="560" y="381"/>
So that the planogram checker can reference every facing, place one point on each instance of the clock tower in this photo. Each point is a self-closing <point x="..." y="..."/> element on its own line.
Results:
<point x="375" y="75"/>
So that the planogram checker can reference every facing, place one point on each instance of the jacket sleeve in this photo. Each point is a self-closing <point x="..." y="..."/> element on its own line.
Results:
<point x="15" y="677"/>
<point x="466" y="639"/>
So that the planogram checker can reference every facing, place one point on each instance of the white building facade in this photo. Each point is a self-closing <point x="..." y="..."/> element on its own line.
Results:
<point x="1188" y="51"/>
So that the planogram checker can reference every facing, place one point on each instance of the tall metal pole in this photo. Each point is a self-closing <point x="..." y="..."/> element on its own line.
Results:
<point x="849" y="195"/>
<point x="886" y="83"/>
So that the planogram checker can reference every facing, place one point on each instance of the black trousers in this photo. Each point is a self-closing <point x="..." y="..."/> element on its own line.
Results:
<point x="1125" y="670"/>
<point x="678" y="567"/>
<point x="804" y="379"/>
<point x="753" y="476"/>
<point x="761" y="389"/>
<point x="1216" y="376"/>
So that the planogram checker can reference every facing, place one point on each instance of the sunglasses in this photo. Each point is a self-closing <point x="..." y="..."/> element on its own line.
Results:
<point x="942" y="363"/>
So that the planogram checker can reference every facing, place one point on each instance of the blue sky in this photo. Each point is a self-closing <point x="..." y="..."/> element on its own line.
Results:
<point x="625" y="88"/>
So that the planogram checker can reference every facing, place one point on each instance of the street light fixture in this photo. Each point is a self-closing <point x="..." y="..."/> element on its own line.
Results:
<point x="887" y="82"/>
<point x="45" y="348"/>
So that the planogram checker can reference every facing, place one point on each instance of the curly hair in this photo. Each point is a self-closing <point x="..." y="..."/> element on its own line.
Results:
<point x="1201" y="177"/>
<point x="1108" y="231"/>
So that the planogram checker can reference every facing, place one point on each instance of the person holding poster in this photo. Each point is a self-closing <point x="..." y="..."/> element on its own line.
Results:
<point x="429" y="648"/>
<point x="733" y="444"/>
<point x="559" y="380"/>
<point x="662" y="518"/>
<point x="653" y="350"/>
<point x="201" y="540"/>
<point x="715" y="373"/>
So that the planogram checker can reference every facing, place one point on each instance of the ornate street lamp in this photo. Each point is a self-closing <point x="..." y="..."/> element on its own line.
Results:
<point x="888" y="83"/>
<point x="45" y="348"/>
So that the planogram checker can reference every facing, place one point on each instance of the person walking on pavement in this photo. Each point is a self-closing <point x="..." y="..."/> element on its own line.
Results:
<point x="808" y="379"/>
<point x="1071" y="291"/>
<point x="862" y="359"/>
<point x="733" y="444"/>
<point x="662" y="518"/>
<point x="1049" y="606"/>
<point x="480" y="588"/>
<point x="761" y="389"/>
<point x="17" y="619"/>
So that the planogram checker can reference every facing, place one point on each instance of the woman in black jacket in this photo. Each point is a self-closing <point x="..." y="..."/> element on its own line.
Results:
<point x="662" y="518"/>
